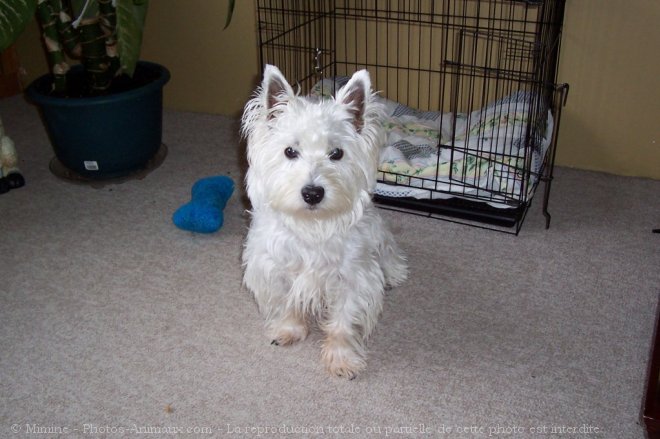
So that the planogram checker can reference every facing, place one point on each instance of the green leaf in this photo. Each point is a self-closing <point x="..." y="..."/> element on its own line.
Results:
<point x="131" y="15"/>
<point x="230" y="13"/>
<point x="14" y="16"/>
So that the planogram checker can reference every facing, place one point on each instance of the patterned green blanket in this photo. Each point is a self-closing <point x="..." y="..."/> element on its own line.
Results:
<point x="496" y="151"/>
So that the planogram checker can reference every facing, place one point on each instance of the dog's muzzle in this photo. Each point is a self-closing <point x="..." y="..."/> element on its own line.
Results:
<point x="312" y="194"/>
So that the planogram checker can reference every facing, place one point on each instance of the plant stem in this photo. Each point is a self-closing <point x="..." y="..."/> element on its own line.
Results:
<point x="48" y="18"/>
<point x="68" y="35"/>
<point x="108" y="21"/>
<point x="95" y="60"/>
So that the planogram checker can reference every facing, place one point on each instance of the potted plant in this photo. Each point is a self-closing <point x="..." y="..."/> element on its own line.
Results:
<point x="104" y="115"/>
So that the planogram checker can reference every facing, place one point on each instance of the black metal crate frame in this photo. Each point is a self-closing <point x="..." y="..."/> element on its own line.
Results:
<point x="453" y="57"/>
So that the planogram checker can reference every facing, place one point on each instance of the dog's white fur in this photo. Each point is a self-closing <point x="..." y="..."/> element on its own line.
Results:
<point x="328" y="261"/>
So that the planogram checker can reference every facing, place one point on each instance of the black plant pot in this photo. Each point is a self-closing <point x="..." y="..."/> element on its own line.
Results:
<point x="108" y="136"/>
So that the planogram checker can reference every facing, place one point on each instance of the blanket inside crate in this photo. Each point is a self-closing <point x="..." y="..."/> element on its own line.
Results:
<point x="481" y="154"/>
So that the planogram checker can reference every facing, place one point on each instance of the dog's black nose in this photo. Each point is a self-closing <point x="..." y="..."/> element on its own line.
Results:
<point x="312" y="194"/>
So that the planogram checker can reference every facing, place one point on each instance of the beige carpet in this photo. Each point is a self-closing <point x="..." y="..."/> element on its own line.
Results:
<point x="115" y="322"/>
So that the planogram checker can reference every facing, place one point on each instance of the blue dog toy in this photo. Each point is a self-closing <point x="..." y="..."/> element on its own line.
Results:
<point x="203" y="213"/>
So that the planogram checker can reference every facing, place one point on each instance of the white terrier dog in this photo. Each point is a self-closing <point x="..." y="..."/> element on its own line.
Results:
<point x="317" y="248"/>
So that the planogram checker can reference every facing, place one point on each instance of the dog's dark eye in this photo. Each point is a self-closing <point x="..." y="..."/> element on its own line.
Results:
<point x="290" y="153"/>
<point x="336" y="154"/>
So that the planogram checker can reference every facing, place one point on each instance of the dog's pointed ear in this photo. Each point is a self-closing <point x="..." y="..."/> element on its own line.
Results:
<point x="276" y="89"/>
<point x="355" y="94"/>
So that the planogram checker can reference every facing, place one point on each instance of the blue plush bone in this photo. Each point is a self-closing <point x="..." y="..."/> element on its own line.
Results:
<point x="203" y="213"/>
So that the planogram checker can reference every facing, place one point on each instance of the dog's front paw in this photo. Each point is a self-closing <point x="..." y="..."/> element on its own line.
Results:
<point x="341" y="359"/>
<point x="288" y="332"/>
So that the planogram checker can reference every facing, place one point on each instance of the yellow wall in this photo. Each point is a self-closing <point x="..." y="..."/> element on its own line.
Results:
<point x="213" y="70"/>
<point x="609" y="57"/>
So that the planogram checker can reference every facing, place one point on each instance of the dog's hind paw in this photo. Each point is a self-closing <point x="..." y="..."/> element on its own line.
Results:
<point x="344" y="371"/>
<point x="288" y="332"/>
<point x="341" y="360"/>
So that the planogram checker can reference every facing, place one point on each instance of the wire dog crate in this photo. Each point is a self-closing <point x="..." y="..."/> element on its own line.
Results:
<point x="469" y="88"/>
